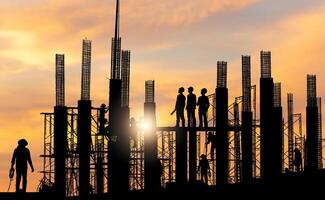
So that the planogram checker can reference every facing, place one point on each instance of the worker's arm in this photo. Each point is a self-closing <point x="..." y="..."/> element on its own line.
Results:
<point x="30" y="161"/>
<point x="208" y="103"/>
<point x="13" y="159"/>
<point x="175" y="107"/>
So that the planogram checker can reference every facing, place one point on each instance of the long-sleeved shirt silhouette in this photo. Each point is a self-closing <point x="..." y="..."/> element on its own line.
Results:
<point x="190" y="107"/>
<point x="21" y="157"/>
<point x="180" y="103"/>
<point x="203" y="103"/>
<point x="191" y="102"/>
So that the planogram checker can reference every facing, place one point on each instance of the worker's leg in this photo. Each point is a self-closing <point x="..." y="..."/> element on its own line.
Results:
<point x="193" y="118"/>
<point x="212" y="152"/>
<point x="24" y="174"/>
<point x="206" y="178"/>
<point x="177" y="119"/>
<point x="200" y="118"/>
<point x="205" y="120"/>
<point x="189" y="118"/>
<point x="183" y="119"/>
<point x="18" y="178"/>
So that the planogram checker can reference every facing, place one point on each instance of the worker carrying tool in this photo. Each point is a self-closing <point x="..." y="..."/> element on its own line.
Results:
<point x="21" y="157"/>
<point x="11" y="177"/>
<point x="179" y="107"/>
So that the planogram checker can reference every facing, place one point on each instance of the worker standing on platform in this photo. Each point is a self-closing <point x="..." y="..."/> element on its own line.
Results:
<point x="20" y="157"/>
<point x="179" y="107"/>
<point x="204" y="168"/>
<point x="133" y="129"/>
<point x="102" y="120"/>
<point x="298" y="160"/>
<point x="190" y="107"/>
<point x="204" y="104"/>
<point x="213" y="140"/>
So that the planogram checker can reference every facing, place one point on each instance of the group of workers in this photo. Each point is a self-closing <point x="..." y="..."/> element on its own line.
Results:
<point x="190" y="105"/>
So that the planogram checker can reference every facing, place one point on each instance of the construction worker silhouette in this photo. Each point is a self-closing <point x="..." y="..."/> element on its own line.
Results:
<point x="213" y="140"/>
<point x="190" y="107"/>
<point x="179" y="107"/>
<point x="20" y="157"/>
<point x="204" y="168"/>
<point x="133" y="129"/>
<point x="298" y="160"/>
<point x="158" y="172"/>
<point x="203" y="103"/>
<point x="102" y="120"/>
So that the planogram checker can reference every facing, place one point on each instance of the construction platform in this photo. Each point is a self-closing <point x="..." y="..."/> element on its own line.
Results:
<point x="290" y="185"/>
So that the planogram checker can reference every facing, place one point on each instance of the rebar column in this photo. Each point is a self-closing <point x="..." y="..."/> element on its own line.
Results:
<point x="152" y="165"/>
<point x="320" y="133"/>
<point x="266" y="108"/>
<point x="222" y="139"/>
<point x="247" y="122"/>
<point x="312" y="125"/>
<point x="60" y="130"/>
<point x="277" y="134"/>
<point x="119" y="147"/>
<point x="84" y="123"/>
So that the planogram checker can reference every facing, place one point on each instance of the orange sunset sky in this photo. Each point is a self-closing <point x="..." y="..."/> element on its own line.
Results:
<point x="174" y="42"/>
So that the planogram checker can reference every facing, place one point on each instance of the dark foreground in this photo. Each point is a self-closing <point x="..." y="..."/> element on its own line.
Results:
<point x="311" y="186"/>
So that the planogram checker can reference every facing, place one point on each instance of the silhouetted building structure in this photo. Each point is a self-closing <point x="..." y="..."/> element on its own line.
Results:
<point x="277" y="134"/>
<point x="266" y="108"/>
<point x="290" y="132"/>
<point x="151" y="169"/>
<point x="247" y="119"/>
<point x="221" y="122"/>
<point x="60" y="129"/>
<point x="118" y="148"/>
<point x="312" y="142"/>
<point x="84" y="123"/>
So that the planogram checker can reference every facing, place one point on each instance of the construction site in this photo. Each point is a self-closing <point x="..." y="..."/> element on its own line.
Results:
<point x="101" y="153"/>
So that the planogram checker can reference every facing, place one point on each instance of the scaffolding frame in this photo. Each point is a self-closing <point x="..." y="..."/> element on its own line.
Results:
<point x="290" y="133"/>
<point x="99" y="148"/>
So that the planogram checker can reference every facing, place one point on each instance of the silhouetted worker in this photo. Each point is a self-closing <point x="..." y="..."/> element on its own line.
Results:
<point x="190" y="107"/>
<point x="133" y="129"/>
<point x="205" y="168"/>
<point x="179" y="107"/>
<point x="158" y="172"/>
<point x="21" y="156"/>
<point x="102" y="120"/>
<point x="213" y="140"/>
<point x="203" y="103"/>
<point x="298" y="160"/>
